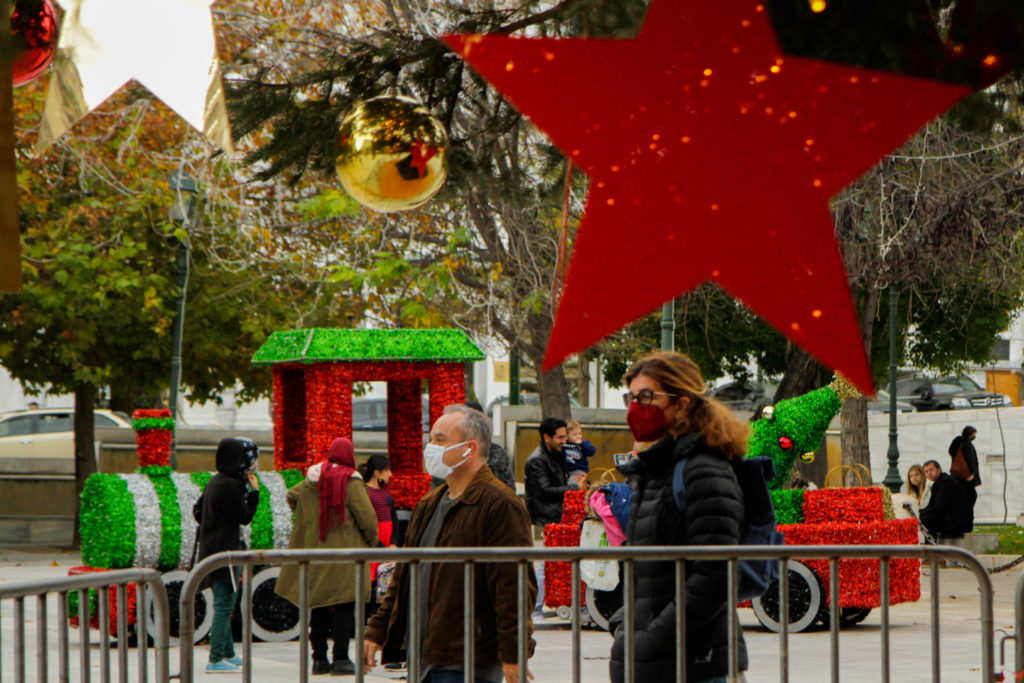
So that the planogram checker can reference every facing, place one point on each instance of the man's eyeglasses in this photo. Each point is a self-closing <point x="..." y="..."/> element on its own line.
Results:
<point x="644" y="397"/>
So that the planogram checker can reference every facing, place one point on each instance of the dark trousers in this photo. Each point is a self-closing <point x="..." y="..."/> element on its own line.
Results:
<point x="222" y="643"/>
<point x="335" y="621"/>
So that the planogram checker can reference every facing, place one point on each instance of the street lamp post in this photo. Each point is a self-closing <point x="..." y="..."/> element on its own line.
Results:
<point x="892" y="476"/>
<point x="668" y="325"/>
<point x="180" y="212"/>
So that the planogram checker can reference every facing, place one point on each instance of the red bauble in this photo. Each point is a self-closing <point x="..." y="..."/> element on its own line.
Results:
<point x="33" y="39"/>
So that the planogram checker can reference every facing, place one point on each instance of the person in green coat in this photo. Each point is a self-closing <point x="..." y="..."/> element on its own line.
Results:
<point x="332" y="510"/>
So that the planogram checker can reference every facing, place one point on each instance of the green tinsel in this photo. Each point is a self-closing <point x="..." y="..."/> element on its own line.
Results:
<point x="141" y="423"/>
<point x="107" y="523"/>
<point x="155" y="470"/>
<point x="201" y="479"/>
<point x="262" y="537"/>
<point x="291" y="477"/>
<point x="170" y="521"/>
<point x="320" y="344"/>
<point x="789" y="506"/>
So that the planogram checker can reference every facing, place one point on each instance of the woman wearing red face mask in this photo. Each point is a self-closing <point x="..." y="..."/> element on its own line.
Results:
<point x="668" y="409"/>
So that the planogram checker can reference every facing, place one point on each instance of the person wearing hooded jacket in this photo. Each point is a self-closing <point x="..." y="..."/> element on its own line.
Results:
<point x="228" y="501"/>
<point x="667" y="406"/>
<point x="332" y="510"/>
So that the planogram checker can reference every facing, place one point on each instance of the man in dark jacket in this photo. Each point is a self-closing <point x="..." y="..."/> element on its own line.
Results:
<point x="221" y="511"/>
<point x="949" y="513"/>
<point x="472" y="509"/>
<point x="545" y="473"/>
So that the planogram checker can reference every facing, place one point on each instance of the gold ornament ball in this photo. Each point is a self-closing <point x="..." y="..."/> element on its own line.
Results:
<point x="807" y="457"/>
<point x="768" y="412"/>
<point x="392" y="154"/>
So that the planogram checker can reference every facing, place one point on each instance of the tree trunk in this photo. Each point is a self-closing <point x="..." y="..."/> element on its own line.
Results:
<point x="803" y="374"/>
<point x="554" y="393"/>
<point x="85" y="445"/>
<point x="854" y="437"/>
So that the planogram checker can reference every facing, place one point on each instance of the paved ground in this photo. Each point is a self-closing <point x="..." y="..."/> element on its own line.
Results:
<point x="860" y="646"/>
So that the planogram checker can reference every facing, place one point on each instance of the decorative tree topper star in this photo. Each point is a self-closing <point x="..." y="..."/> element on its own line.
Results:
<point x="711" y="156"/>
<point x="166" y="45"/>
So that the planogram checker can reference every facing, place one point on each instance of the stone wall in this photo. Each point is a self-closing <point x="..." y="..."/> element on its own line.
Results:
<point x="926" y="436"/>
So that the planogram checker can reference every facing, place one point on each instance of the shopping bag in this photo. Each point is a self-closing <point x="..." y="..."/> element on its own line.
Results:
<point x="601" y="575"/>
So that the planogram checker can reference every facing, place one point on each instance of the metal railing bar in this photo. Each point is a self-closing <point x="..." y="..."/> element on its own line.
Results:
<point x="247" y="624"/>
<point x="628" y="555"/>
<point x="41" y="625"/>
<point x="883" y="595"/>
<point x="161" y="622"/>
<point x="1018" y="626"/>
<point x="64" y="639"/>
<point x="732" y="597"/>
<point x="575" y="647"/>
<point x="83" y="634"/>
<point x="681" y="621"/>
<point x="469" y="621"/>
<point x="834" y="611"/>
<point x="413" y="649"/>
<point x="16" y="589"/>
<point x="629" y="623"/>
<point x="303" y="622"/>
<point x="103" y="597"/>
<point x="122" y="633"/>
<point x="141" y="630"/>
<point x="784" y="616"/>
<point x="19" y="639"/>
<point x="936" y="664"/>
<point x="522" y="658"/>
<point x="359" y="619"/>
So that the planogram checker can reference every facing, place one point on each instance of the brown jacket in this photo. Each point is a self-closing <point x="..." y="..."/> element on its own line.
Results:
<point x="488" y="514"/>
<point x="334" y="583"/>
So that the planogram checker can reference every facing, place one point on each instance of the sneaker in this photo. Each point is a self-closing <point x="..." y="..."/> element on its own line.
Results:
<point x="236" y="660"/>
<point x="221" y="667"/>
<point x="395" y="666"/>
<point x="321" y="667"/>
<point x="343" y="667"/>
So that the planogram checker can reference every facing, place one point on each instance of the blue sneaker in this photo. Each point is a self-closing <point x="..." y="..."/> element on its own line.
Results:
<point x="236" y="660"/>
<point x="221" y="667"/>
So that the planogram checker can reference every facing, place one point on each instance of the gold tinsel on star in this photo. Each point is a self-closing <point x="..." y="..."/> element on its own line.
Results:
<point x="843" y="388"/>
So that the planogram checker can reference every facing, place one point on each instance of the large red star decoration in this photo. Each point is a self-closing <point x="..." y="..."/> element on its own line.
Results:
<point x="711" y="156"/>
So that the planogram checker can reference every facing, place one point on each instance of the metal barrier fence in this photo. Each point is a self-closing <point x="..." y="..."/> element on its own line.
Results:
<point x="101" y="582"/>
<point x="628" y="556"/>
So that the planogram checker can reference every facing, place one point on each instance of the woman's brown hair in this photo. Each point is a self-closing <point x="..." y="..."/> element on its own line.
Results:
<point x="679" y="375"/>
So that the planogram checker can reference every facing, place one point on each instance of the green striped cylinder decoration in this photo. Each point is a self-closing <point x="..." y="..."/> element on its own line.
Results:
<point x="145" y="519"/>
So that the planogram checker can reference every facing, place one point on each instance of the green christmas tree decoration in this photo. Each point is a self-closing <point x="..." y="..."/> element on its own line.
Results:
<point x="795" y="426"/>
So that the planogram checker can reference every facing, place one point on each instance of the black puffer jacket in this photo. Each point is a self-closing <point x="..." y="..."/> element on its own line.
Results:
<point x="713" y="516"/>
<point x="224" y="507"/>
<point x="545" y="485"/>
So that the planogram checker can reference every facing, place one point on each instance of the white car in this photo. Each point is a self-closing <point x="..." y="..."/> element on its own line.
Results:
<point x="48" y="432"/>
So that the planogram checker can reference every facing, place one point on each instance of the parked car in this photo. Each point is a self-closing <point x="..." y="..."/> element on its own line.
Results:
<point x="881" y="404"/>
<point x="371" y="414"/>
<point x="48" y="432"/>
<point x="745" y="395"/>
<point x="958" y="392"/>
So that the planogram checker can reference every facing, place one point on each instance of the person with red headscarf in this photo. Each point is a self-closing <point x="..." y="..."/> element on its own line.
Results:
<point x="332" y="510"/>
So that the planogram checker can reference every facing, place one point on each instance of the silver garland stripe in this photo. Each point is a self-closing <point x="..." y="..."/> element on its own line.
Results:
<point x="281" y="514"/>
<point x="148" y="527"/>
<point x="188" y="494"/>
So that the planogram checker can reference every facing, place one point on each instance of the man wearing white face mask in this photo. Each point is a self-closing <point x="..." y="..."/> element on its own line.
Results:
<point x="472" y="509"/>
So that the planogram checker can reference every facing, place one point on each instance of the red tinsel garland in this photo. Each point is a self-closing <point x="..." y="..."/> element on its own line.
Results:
<point x="860" y="580"/>
<point x="153" y="445"/>
<point x="407" y="489"/>
<point x="573" y="510"/>
<point x="558" y="575"/>
<point x="849" y="505"/>
<point x="313" y="406"/>
<point x="94" y="620"/>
